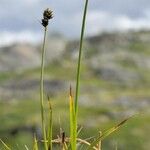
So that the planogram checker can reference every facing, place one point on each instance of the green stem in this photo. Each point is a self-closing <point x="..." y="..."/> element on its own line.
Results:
<point x="79" y="58"/>
<point x="42" y="90"/>
<point x="74" y="136"/>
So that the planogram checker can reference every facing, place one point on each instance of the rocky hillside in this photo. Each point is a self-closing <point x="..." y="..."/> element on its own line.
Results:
<point x="113" y="60"/>
<point x="123" y="58"/>
<point x="23" y="56"/>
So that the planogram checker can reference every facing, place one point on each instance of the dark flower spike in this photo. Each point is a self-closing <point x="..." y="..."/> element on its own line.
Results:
<point x="47" y="15"/>
<point x="45" y="22"/>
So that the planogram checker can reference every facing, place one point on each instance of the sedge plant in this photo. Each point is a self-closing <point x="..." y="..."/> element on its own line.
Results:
<point x="47" y="15"/>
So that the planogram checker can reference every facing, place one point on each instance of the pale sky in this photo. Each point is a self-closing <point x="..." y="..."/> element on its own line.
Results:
<point x="19" y="19"/>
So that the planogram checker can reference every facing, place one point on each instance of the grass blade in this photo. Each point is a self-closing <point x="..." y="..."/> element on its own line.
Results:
<point x="63" y="142"/>
<point x="99" y="145"/>
<point x="116" y="146"/>
<point x="5" y="145"/>
<point x="80" y="55"/>
<point x="26" y="147"/>
<point x="107" y="133"/>
<point x="35" y="144"/>
<point x="42" y="90"/>
<point x="50" y="126"/>
<point x="73" y="124"/>
<point x="79" y="130"/>
<point x="74" y="106"/>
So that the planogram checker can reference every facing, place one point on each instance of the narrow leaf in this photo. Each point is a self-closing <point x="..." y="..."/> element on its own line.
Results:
<point x="35" y="145"/>
<point x="99" y="145"/>
<point x="73" y="126"/>
<point x="5" y="145"/>
<point x="26" y="147"/>
<point x="107" y="133"/>
<point x="50" y="126"/>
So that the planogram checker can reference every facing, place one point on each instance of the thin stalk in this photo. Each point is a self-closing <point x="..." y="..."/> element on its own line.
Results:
<point x="42" y="90"/>
<point x="116" y="146"/>
<point x="74" y="136"/>
<point x="79" y="57"/>
<point x="35" y="144"/>
<point x="49" y="134"/>
<point x="72" y="123"/>
<point x="99" y="146"/>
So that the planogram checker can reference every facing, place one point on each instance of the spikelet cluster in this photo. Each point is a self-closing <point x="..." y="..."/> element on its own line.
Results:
<point x="47" y="15"/>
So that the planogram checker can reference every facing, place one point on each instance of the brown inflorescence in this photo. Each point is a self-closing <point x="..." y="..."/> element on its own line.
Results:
<point x="47" y="15"/>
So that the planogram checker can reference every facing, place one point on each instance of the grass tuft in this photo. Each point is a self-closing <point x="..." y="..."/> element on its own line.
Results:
<point x="46" y="16"/>
<point x="5" y="145"/>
